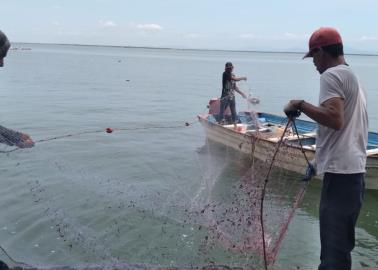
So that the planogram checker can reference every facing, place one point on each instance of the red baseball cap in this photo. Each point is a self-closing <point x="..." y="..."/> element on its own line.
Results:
<point x="324" y="36"/>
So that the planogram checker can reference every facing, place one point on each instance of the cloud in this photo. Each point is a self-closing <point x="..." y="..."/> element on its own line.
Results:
<point x="247" y="36"/>
<point x="107" y="24"/>
<point x="289" y="35"/>
<point x="192" y="36"/>
<point x="149" y="27"/>
<point x="369" y="38"/>
<point x="283" y="36"/>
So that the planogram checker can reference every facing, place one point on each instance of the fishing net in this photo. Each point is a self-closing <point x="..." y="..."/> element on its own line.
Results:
<point x="255" y="215"/>
<point x="213" y="206"/>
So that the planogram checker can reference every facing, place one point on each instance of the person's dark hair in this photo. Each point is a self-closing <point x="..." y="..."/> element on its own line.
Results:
<point x="334" y="50"/>
<point x="228" y="65"/>
<point x="4" y="45"/>
<point x="3" y="266"/>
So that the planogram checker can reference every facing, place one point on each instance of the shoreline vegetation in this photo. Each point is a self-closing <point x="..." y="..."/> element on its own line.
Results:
<point x="176" y="49"/>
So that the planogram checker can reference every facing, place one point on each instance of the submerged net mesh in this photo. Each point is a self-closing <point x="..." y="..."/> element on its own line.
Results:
<point x="214" y="220"/>
<point x="235" y="220"/>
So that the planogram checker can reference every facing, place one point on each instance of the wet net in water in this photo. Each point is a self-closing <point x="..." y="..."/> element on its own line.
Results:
<point x="207" y="211"/>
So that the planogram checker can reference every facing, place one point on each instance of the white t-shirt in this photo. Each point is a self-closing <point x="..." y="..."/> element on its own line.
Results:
<point x="344" y="150"/>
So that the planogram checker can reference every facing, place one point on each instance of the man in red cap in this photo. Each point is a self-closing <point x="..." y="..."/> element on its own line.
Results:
<point x="340" y="146"/>
<point x="8" y="136"/>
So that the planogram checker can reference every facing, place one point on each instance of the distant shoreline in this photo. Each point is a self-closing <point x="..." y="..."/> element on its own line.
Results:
<point x="181" y="49"/>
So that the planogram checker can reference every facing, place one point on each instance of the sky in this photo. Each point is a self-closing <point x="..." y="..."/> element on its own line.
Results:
<point x="264" y="25"/>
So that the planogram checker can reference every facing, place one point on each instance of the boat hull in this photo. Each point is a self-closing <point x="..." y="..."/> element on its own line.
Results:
<point x="258" y="146"/>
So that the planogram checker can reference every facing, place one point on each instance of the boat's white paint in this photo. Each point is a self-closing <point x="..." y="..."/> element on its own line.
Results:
<point x="262" y="146"/>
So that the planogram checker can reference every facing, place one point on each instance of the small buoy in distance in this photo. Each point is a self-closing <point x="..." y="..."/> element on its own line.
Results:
<point x="109" y="130"/>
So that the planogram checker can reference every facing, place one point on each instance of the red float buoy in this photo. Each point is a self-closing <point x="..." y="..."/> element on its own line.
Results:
<point x="109" y="130"/>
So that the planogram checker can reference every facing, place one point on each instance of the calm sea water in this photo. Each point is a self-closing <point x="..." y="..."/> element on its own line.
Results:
<point x="97" y="197"/>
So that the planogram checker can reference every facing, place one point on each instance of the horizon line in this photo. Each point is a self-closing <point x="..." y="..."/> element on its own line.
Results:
<point x="179" y="49"/>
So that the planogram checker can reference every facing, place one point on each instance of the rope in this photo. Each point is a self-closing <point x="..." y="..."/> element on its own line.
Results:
<point x="301" y="194"/>
<point x="296" y="203"/>
<point x="263" y="194"/>
<point x="107" y="130"/>
<point x="300" y="143"/>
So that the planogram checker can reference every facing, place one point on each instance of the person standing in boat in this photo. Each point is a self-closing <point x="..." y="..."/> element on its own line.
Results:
<point x="228" y="93"/>
<point x="8" y="136"/>
<point x="340" y="146"/>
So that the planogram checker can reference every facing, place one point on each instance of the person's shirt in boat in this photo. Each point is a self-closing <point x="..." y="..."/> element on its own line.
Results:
<point x="228" y="85"/>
